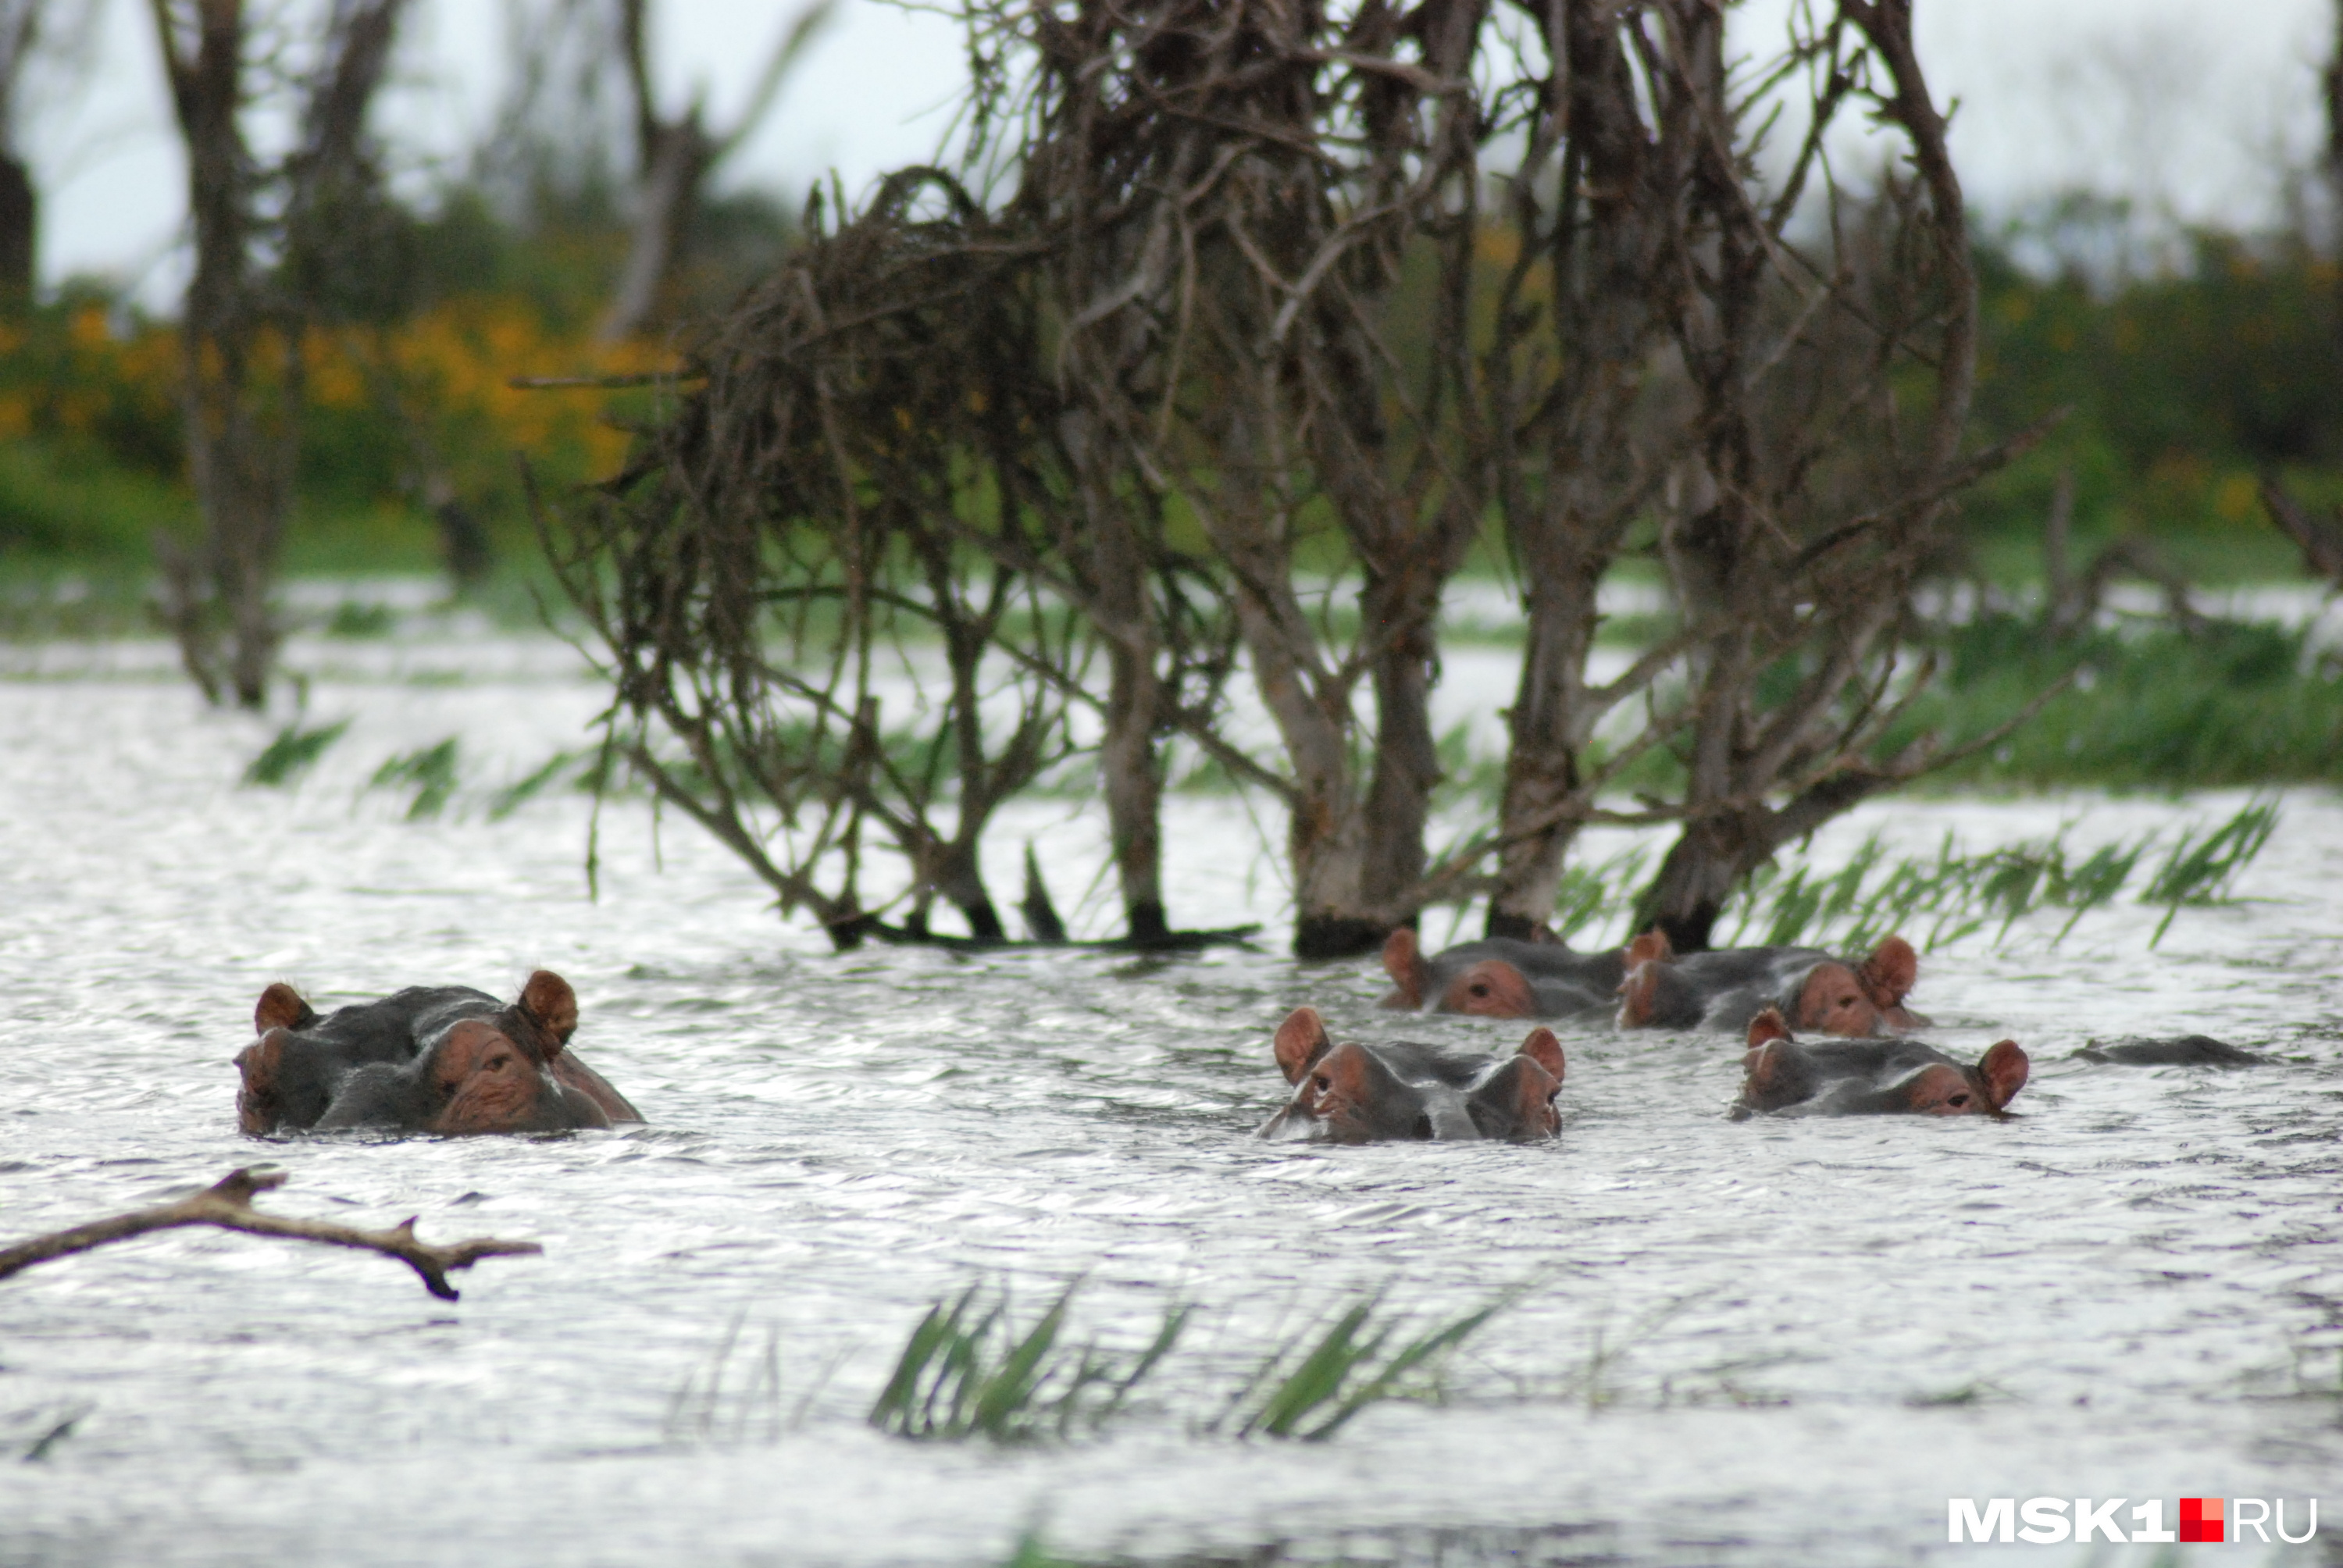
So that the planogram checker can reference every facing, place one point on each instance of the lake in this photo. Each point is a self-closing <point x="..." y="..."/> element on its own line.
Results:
<point x="1754" y="1342"/>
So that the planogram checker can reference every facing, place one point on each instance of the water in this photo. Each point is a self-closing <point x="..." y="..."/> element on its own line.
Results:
<point x="1740" y="1342"/>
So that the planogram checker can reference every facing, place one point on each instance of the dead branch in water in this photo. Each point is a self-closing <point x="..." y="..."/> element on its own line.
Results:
<point x="227" y="1203"/>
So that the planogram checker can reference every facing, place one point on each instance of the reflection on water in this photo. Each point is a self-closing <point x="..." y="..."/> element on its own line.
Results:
<point x="1754" y="1343"/>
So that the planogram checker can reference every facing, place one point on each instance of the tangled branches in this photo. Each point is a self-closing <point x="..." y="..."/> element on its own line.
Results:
<point x="1282" y="313"/>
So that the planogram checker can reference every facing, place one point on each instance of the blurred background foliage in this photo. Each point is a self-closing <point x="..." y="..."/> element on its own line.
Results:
<point x="2183" y="384"/>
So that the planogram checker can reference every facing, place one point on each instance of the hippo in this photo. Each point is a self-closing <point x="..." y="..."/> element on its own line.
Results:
<point x="429" y="1059"/>
<point x="2181" y="1051"/>
<point x="1870" y="1077"/>
<point x="1503" y="977"/>
<point x="1727" y="987"/>
<point x="1354" y="1092"/>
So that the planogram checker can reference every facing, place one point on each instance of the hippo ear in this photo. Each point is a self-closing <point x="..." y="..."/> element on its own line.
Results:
<point x="1403" y="961"/>
<point x="1517" y="1102"/>
<point x="2003" y="1069"/>
<point x="281" y="1007"/>
<point x="1652" y="947"/>
<point x="1541" y="1048"/>
<point x="1768" y="1068"/>
<point x="1639" y="994"/>
<point x="1301" y="1040"/>
<point x="1890" y="972"/>
<point x="256" y="1100"/>
<point x="552" y="1006"/>
<point x="1768" y="1025"/>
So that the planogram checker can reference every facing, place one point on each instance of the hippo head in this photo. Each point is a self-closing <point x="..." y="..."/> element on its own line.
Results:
<point x="496" y="1075"/>
<point x="1903" y="1078"/>
<point x="1856" y="1000"/>
<point x="448" y="1061"/>
<point x="1348" y="1092"/>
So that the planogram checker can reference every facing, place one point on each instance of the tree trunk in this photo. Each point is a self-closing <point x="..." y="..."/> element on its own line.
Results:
<point x="680" y="154"/>
<point x="1614" y="212"/>
<point x="19" y="229"/>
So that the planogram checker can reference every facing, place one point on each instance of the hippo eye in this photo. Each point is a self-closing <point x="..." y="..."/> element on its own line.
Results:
<point x="1423" y="1127"/>
<point x="1319" y="1082"/>
<point x="1958" y="1100"/>
<point x="1478" y="989"/>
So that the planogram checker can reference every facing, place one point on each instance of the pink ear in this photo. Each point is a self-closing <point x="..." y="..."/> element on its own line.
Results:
<point x="1764" y="1064"/>
<point x="1301" y="1040"/>
<point x="1638" y="992"/>
<point x="281" y="1007"/>
<point x="1890" y="972"/>
<point x="1403" y="961"/>
<point x="2003" y="1069"/>
<point x="1652" y="947"/>
<point x="553" y="1006"/>
<point x="1541" y="1048"/>
<point x="1768" y="1025"/>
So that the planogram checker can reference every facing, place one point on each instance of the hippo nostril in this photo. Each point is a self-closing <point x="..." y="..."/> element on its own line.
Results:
<point x="1423" y="1128"/>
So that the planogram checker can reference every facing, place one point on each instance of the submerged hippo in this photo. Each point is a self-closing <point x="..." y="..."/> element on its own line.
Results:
<point x="1352" y="1092"/>
<point x="2181" y="1051"/>
<point x="438" y="1059"/>
<point x="1501" y="977"/>
<point x="1728" y="987"/>
<point x="1871" y="1077"/>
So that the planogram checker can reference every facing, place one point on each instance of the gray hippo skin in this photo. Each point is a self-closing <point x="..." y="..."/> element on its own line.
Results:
<point x="1501" y="977"/>
<point x="429" y="1059"/>
<point x="2182" y="1051"/>
<point x="1354" y="1092"/>
<point x="1727" y="987"/>
<point x="1785" y="1076"/>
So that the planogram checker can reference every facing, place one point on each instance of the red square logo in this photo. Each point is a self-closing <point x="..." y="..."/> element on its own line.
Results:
<point x="2200" y="1519"/>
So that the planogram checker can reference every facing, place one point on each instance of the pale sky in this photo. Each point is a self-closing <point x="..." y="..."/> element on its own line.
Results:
<point x="2190" y="107"/>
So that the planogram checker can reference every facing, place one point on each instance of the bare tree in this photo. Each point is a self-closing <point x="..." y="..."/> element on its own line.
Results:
<point x="809" y="661"/>
<point x="34" y="32"/>
<point x="1800" y="524"/>
<point x="1242" y="185"/>
<point x="243" y="320"/>
<point x="676" y="153"/>
<point x="20" y="31"/>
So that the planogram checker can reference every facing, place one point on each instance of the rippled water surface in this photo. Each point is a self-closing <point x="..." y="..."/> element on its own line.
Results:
<point x="1755" y="1342"/>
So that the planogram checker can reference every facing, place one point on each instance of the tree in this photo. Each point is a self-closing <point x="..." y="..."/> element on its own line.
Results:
<point x="270" y="245"/>
<point x="31" y="31"/>
<point x="675" y="153"/>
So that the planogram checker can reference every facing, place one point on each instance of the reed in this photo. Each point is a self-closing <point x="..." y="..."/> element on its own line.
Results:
<point x="431" y="770"/>
<point x="1309" y="1390"/>
<point x="293" y="753"/>
<point x="969" y="1371"/>
<point x="514" y="796"/>
<point x="2202" y="870"/>
<point x="1953" y="894"/>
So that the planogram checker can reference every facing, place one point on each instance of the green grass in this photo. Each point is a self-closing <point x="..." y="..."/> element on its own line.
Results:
<point x="1932" y="900"/>
<point x="1308" y="1391"/>
<point x="431" y="770"/>
<point x="293" y="753"/>
<point x="969" y="1371"/>
<point x="2238" y="704"/>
